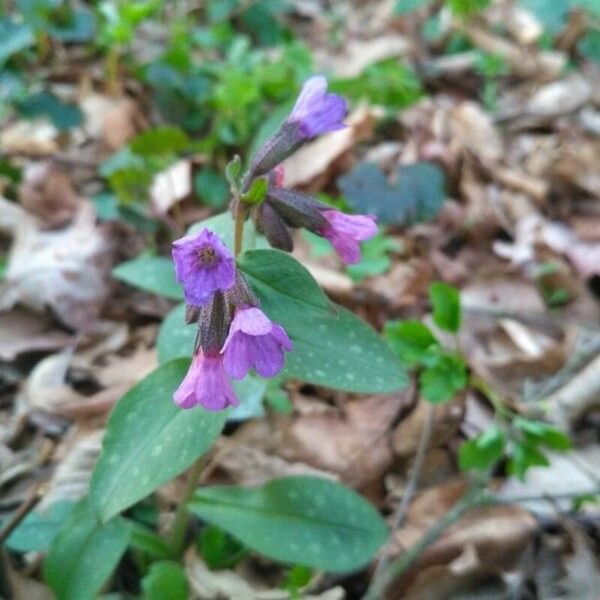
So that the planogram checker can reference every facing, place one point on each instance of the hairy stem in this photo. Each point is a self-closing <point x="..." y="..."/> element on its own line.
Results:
<point x="177" y="533"/>
<point x="240" y="217"/>
<point x="411" y="488"/>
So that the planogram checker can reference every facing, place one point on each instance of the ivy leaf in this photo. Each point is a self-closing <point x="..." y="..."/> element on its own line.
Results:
<point x="416" y="193"/>
<point x="149" y="440"/>
<point x="483" y="451"/>
<point x="441" y="381"/>
<point x="410" y="340"/>
<point x="446" y="306"/>
<point x="291" y="520"/>
<point x="161" y="140"/>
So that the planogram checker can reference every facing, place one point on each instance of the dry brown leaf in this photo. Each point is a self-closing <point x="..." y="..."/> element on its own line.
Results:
<point x="66" y="270"/>
<point x="316" y="157"/>
<point x="21" y="331"/>
<point x="353" y="443"/>
<point x="170" y="186"/>
<point x="32" y="138"/>
<point x="225" y="584"/>
<point x="47" y="192"/>
<point x="357" y="55"/>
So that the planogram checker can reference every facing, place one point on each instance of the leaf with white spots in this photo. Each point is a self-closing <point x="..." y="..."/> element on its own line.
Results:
<point x="300" y="520"/>
<point x="84" y="553"/>
<point x="332" y="346"/>
<point x="149" y="440"/>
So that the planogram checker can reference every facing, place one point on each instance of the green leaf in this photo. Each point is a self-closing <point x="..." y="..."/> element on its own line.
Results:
<point x="416" y="194"/>
<point x="483" y="451"/>
<point x="233" y="171"/>
<point x="149" y="440"/>
<point x="162" y="140"/>
<point x="301" y="520"/>
<point x="147" y="541"/>
<point x="446" y="306"/>
<point x="332" y="346"/>
<point x="375" y="259"/>
<point x="441" y="381"/>
<point x="38" y="529"/>
<point x="524" y="456"/>
<point x="544" y="433"/>
<point x="257" y="192"/>
<point x="84" y="553"/>
<point x="298" y="577"/>
<point x="406" y="6"/>
<point x="80" y="26"/>
<point x="63" y="116"/>
<point x="467" y="7"/>
<point x="223" y="225"/>
<point x="552" y="14"/>
<point x="211" y="187"/>
<point x="166" y="579"/>
<point x="155" y="274"/>
<point x="219" y="549"/>
<point x="589" y="46"/>
<point x="15" y="38"/>
<point x="410" y="340"/>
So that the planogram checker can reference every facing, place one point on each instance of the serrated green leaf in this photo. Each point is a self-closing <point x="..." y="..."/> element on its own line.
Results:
<point x="165" y="579"/>
<point x="332" y="346"/>
<point x="441" y="381"/>
<point x="161" y="140"/>
<point x="410" y="340"/>
<point x="149" y="440"/>
<point x="84" y="553"/>
<point x="155" y="274"/>
<point x="292" y="520"/>
<point x="446" y="306"/>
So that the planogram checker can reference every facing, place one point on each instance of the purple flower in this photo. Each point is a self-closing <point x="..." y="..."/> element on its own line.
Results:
<point x="317" y="112"/>
<point x="206" y="384"/>
<point x="345" y="231"/>
<point x="203" y="265"/>
<point x="254" y="341"/>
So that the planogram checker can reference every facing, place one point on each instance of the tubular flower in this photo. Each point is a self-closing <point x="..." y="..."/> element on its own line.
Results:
<point x="206" y="384"/>
<point x="316" y="112"/>
<point x="346" y="231"/>
<point x="204" y="265"/>
<point x="254" y="341"/>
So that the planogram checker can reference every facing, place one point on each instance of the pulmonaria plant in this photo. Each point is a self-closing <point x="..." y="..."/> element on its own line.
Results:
<point x="234" y="335"/>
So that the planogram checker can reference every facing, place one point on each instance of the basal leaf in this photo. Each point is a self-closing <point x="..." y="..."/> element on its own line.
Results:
<point x="154" y="274"/>
<point x="84" y="553"/>
<point x="446" y="306"/>
<point x="149" y="440"/>
<point x="304" y="520"/>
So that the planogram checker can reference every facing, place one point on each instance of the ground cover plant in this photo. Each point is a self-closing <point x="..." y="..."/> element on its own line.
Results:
<point x="299" y="299"/>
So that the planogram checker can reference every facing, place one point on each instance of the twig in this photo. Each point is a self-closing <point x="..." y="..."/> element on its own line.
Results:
<point x="26" y="507"/>
<point x="474" y="497"/>
<point x="411" y="488"/>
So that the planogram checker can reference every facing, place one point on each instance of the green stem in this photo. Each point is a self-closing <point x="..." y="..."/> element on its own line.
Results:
<point x="179" y="528"/>
<point x="240" y="217"/>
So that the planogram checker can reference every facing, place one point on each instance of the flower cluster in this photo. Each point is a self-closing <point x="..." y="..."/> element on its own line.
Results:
<point x="234" y="335"/>
<point x="315" y="112"/>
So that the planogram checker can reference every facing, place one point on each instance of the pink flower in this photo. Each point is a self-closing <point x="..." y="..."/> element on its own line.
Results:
<point x="204" y="265"/>
<point x="254" y="341"/>
<point x="206" y="384"/>
<point x="345" y="231"/>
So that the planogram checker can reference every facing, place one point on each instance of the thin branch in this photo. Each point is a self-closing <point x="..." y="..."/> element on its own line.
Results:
<point x="24" y="509"/>
<point x="411" y="488"/>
